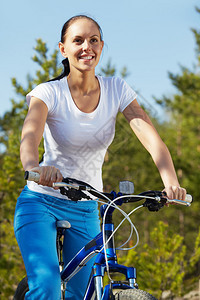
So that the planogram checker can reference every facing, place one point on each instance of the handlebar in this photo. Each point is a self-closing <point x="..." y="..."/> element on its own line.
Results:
<point x="74" y="190"/>
<point x="32" y="176"/>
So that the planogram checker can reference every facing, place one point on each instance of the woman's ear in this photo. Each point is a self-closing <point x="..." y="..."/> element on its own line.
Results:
<point x="102" y="45"/>
<point x="62" y="49"/>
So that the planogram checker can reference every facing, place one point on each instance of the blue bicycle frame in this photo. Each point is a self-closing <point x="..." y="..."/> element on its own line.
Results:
<point x="99" y="268"/>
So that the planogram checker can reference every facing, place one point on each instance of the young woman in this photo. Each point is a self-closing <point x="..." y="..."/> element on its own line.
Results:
<point x="76" y="114"/>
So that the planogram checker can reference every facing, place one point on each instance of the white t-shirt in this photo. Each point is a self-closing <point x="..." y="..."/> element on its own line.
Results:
<point x="76" y="142"/>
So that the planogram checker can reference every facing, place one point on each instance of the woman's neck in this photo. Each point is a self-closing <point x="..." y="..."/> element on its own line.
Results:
<point x="83" y="83"/>
<point x="85" y="90"/>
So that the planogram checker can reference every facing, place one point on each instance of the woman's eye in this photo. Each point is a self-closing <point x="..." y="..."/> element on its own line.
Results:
<point x="78" y="41"/>
<point x="94" y="40"/>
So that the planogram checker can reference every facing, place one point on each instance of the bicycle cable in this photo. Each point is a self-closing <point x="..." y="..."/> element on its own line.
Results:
<point x="104" y="244"/>
<point x="138" y="207"/>
<point x="126" y="215"/>
<point x="132" y="226"/>
<point x="111" y="202"/>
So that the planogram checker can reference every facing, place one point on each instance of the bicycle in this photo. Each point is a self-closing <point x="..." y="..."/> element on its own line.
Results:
<point x="103" y="244"/>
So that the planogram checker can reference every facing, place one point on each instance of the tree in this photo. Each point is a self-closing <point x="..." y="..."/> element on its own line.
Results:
<point x="160" y="264"/>
<point x="11" y="173"/>
<point x="127" y="160"/>
<point x="183" y="109"/>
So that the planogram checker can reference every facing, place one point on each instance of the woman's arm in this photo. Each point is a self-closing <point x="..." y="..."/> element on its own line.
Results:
<point x="150" y="139"/>
<point x="32" y="132"/>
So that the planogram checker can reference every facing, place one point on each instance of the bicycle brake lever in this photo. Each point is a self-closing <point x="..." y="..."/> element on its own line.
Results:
<point x="74" y="194"/>
<point x="153" y="205"/>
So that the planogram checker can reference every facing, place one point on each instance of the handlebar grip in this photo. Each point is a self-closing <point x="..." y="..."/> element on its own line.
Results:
<point x="31" y="176"/>
<point x="187" y="201"/>
<point x="188" y="198"/>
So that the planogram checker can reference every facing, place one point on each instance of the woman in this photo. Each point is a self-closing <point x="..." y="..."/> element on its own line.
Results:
<point x="76" y="113"/>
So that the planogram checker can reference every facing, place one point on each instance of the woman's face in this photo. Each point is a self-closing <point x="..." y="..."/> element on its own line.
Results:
<point x="82" y="45"/>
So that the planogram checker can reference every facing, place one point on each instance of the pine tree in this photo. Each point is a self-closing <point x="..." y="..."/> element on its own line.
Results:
<point x="160" y="264"/>
<point x="183" y="109"/>
<point x="11" y="173"/>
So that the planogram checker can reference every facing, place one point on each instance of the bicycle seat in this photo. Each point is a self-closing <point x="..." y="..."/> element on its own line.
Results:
<point x="63" y="224"/>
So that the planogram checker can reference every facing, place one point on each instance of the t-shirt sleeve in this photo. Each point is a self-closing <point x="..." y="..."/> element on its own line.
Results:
<point x="44" y="92"/>
<point x="126" y="94"/>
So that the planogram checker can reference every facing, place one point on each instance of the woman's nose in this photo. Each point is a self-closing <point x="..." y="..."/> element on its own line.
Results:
<point x="86" y="45"/>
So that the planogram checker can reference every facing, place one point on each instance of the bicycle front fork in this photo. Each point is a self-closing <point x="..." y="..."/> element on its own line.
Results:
<point x="98" y="273"/>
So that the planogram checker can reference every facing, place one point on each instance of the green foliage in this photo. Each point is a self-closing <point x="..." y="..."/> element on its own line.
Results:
<point x="184" y="111"/>
<point x="194" y="263"/>
<point x="195" y="258"/>
<point x="164" y="250"/>
<point x="161" y="263"/>
<point x="11" y="173"/>
<point x="183" y="139"/>
<point x="10" y="182"/>
<point x="110" y="70"/>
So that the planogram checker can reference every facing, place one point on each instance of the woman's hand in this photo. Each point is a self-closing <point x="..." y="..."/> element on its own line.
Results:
<point x="175" y="192"/>
<point x="48" y="175"/>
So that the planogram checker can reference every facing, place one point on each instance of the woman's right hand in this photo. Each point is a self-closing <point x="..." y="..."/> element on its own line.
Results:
<point x="48" y="175"/>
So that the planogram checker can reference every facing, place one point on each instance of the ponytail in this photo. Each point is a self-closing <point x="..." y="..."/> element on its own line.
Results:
<point x="65" y="72"/>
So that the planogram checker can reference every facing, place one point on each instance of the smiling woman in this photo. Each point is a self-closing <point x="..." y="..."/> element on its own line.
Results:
<point x="96" y="35"/>
<point x="76" y="114"/>
<point x="82" y="47"/>
<point x="82" y="41"/>
<point x="81" y="44"/>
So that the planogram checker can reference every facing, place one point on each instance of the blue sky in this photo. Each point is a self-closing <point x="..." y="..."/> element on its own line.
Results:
<point x="150" y="38"/>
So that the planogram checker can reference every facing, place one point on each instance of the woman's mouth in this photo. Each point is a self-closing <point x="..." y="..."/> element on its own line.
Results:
<point x="86" y="57"/>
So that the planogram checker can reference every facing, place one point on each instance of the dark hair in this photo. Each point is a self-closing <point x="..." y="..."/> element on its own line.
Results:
<point x="66" y="26"/>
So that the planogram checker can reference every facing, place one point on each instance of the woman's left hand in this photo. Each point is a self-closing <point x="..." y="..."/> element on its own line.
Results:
<point x="175" y="192"/>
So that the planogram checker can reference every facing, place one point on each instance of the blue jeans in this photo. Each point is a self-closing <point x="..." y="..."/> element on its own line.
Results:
<point x="35" y="230"/>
